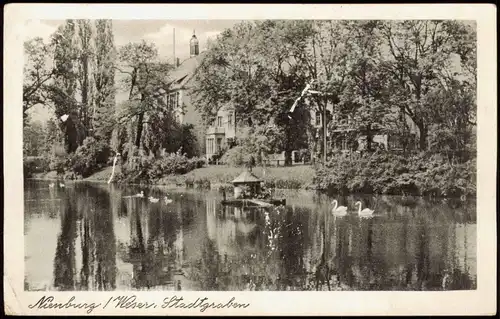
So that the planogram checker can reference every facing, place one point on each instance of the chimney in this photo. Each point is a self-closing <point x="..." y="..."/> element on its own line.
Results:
<point x="174" y="44"/>
<point x="177" y="62"/>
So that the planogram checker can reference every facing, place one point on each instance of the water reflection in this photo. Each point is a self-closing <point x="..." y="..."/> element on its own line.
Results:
<point x="91" y="237"/>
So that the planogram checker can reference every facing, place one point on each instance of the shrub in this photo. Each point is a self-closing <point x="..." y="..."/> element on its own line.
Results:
<point x="197" y="162"/>
<point x="151" y="170"/>
<point x="203" y="183"/>
<point x="283" y="183"/>
<point x="32" y="165"/>
<point x="236" y="156"/>
<point x="386" y="173"/>
<point x="91" y="156"/>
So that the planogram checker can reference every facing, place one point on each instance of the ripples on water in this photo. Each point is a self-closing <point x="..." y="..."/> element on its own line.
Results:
<point x="89" y="237"/>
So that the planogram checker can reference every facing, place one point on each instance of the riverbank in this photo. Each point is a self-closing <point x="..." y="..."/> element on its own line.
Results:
<point x="293" y="177"/>
<point x="383" y="174"/>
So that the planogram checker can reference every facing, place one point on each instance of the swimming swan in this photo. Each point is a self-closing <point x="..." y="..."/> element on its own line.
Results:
<point x="153" y="200"/>
<point x="365" y="212"/>
<point x="338" y="211"/>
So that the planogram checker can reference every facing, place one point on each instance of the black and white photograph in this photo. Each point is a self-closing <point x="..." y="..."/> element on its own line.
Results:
<point x="249" y="155"/>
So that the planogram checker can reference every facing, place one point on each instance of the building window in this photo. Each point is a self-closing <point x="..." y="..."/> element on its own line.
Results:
<point x="210" y="146"/>
<point x="343" y="144"/>
<point x="177" y="99"/>
<point x="219" y="144"/>
<point x="318" y="118"/>
<point x="230" y="120"/>
<point x="219" y="121"/>
<point x="170" y="101"/>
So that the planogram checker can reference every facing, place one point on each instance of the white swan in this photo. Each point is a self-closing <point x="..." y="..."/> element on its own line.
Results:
<point x="338" y="211"/>
<point x="153" y="200"/>
<point x="365" y="212"/>
<point x="51" y="185"/>
<point x="168" y="200"/>
<point x="141" y="194"/>
<point x="62" y="185"/>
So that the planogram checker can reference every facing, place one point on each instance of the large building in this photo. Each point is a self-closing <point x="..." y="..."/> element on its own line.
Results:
<point x="179" y="97"/>
<point x="212" y="139"/>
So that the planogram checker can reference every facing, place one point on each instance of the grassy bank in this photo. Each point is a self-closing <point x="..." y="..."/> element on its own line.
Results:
<point x="294" y="177"/>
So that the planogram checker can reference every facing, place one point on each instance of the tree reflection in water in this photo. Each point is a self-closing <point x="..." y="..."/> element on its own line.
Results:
<point x="86" y="217"/>
<point x="107" y="242"/>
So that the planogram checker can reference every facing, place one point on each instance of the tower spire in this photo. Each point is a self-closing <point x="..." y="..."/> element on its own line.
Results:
<point x="194" y="47"/>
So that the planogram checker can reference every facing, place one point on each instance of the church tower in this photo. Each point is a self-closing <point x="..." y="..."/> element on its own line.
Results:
<point x="194" y="45"/>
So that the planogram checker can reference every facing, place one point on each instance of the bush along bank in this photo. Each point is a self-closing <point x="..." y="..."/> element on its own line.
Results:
<point x="154" y="170"/>
<point x="268" y="183"/>
<point x="391" y="174"/>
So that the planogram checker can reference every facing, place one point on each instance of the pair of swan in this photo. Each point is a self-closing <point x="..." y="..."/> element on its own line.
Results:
<point x="342" y="210"/>
<point x="153" y="199"/>
<point x="156" y="200"/>
<point x="52" y="185"/>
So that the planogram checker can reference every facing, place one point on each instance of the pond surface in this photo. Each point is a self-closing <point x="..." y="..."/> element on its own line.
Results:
<point x="88" y="236"/>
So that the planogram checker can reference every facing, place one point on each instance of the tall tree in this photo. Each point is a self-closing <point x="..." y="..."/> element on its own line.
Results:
<point x="64" y="89"/>
<point x="37" y="73"/>
<point x="251" y="67"/>
<point x="419" y="51"/>
<point x="325" y="58"/>
<point x="146" y="82"/>
<point x="363" y="101"/>
<point x="103" y="113"/>
<point x="85" y="55"/>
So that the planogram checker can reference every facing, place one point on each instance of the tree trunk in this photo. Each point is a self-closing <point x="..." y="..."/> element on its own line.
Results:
<point x="71" y="136"/>
<point x="85" y="93"/>
<point x="369" y="138"/>
<point x="423" y="135"/>
<point x="138" y="135"/>
<point x="288" y="157"/>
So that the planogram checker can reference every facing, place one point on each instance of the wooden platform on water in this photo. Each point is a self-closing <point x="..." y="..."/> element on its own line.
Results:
<point x="254" y="202"/>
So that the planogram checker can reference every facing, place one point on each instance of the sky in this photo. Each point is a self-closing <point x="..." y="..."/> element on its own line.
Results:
<point x="159" y="32"/>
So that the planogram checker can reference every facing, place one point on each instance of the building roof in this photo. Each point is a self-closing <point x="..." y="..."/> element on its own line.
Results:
<point x="246" y="177"/>
<point x="186" y="70"/>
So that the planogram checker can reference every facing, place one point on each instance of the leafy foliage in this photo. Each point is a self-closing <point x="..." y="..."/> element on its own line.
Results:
<point x="385" y="173"/>
<point x="37" y="73"/>
<point x="91" y="156"/>
<point x="146" y="83"/>
<point x="150" y="170"/>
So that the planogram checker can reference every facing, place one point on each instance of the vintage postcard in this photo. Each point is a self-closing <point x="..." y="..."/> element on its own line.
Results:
<point x="242" y="159"/>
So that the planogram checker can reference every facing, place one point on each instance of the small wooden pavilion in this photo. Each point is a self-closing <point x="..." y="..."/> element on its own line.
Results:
<point x="246" y="185"/>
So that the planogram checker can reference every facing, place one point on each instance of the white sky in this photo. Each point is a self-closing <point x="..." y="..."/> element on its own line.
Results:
<point x="160" y="32"/>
